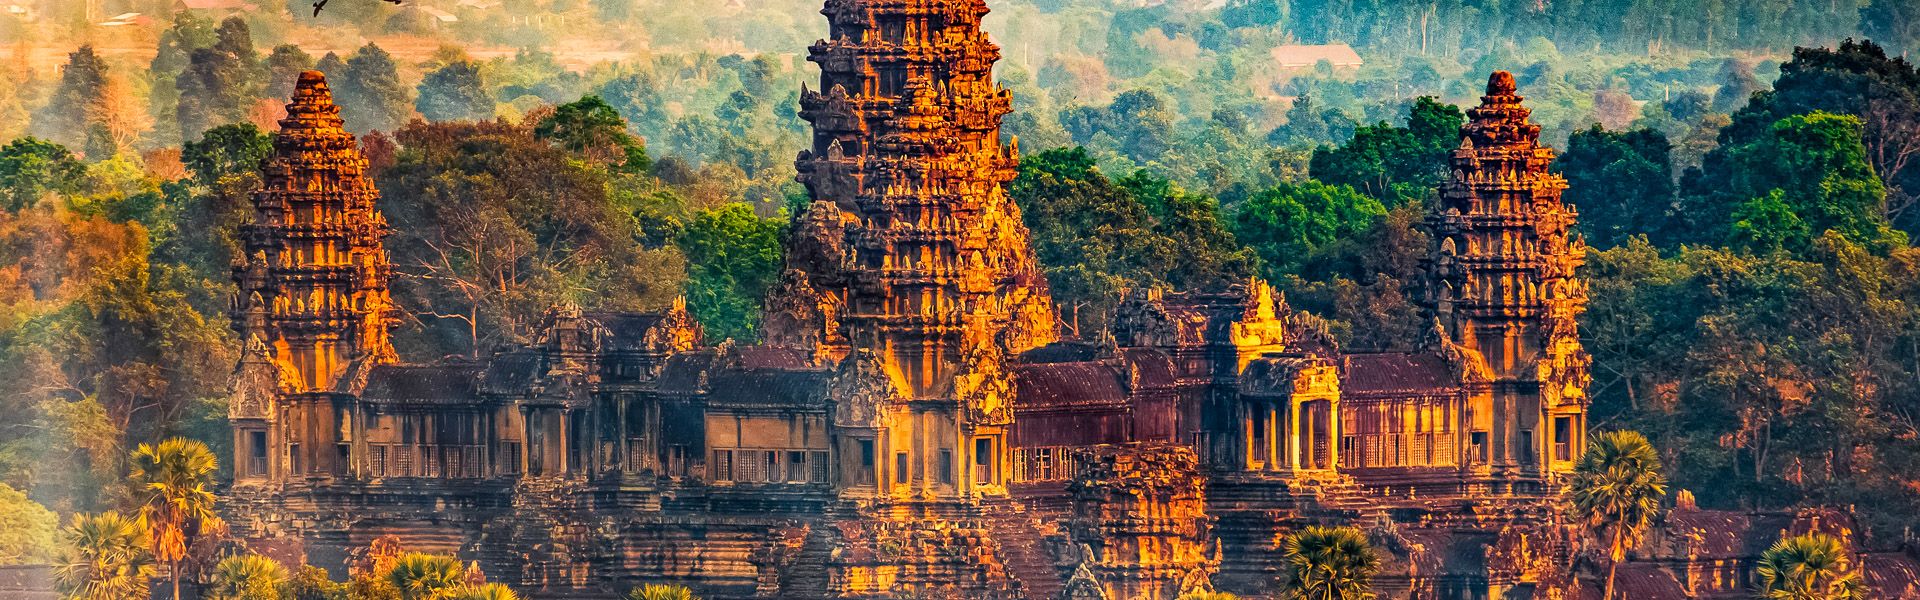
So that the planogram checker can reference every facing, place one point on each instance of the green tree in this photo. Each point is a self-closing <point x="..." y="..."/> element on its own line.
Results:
<point x="71" y="111"/>
<point x="221" y="83"/>
<point x="733" y="257"/>
<point x="247" y="577"/>
<point x="455" y="92"/>
<point x="1096" y="237"/>
<point x="32" y="168"/>
<point x="27" y="529"/>
<point x="1395" y="164"/>
<point x="661" y="591"/>
<point x="1622" y="182"/>
<point x="1616" y="489"/>
<point x="368" y="88"/>
<point x="493" y="226"/>
<point x="105" y="558"/>
<point x="190" y="31"/>
<point x="421" y="576"/>
<point x="1813" y="566"/>
<point x="1818" y="163"/>
<point x="284" y="66"/>
<point x="1286" y="224"/>
<point x="173" y="484"/>
<point x="1329" y="563"/>
<point x="590" y="127"/>
<point x="1857" y="79"/>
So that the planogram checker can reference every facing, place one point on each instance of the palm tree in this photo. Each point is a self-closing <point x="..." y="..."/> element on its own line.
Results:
<point x="422" y="576"/>
<point x="659" y="591"/>
<point x="173" y="482"/>
<point x="1616" y="489"/>
<point x="1809" y="567"/>
<point x="247" y="577"/>
<point x="105" y="558"/>
<point x="484" y="591"/>
<point x="1330" y="563"/>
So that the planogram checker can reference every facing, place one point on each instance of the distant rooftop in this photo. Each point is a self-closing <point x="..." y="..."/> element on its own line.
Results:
<point x="1301" y="56"/>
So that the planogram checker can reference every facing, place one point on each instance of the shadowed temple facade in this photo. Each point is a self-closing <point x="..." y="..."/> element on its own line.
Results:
<point x="914" y="426"/>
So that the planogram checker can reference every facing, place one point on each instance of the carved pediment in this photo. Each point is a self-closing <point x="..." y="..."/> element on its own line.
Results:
<point x="864" y="388"/>
<point x="258" y="383"/>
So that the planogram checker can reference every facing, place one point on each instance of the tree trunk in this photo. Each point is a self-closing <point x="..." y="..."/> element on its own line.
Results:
<point x="176" y="579"/>
<point x="1613" y="566"/>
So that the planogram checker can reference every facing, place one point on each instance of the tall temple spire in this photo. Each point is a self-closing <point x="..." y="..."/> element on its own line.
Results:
<point x="1502" y="283"/>
<point x="912" y="263"/>
<point x="313" y="282"/>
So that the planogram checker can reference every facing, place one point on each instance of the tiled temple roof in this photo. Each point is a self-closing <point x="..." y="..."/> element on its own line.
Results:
<point x="1891" y="574"/>
<point x="417" y="384"/>
<point x="1395" y="373"/>
<point x="1068" y="384"/>
<point x="796" y="388"/>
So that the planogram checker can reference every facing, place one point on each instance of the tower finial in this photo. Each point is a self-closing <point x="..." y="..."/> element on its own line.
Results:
<point x="1500" y="84"/>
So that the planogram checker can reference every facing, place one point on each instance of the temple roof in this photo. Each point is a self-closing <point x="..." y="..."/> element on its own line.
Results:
<point x="418" y="384"/>
<point x="1395" y="373"/>
<point x="1068" y="384"/>
<point x="794" y="388"/>
<point x="1891" y="574"/>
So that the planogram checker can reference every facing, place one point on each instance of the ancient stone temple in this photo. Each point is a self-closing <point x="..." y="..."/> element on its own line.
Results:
<point x="913" y="427"/>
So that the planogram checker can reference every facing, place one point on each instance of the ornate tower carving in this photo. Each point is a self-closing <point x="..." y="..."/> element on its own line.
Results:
<point x="313" y="284"/>
<point x="914" y="255"/>
<point x="1502" y="283"/>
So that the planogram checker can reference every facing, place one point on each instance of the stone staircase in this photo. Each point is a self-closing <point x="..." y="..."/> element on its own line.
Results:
<point x="807" y="577"/>
<point x="1026" y="556"/>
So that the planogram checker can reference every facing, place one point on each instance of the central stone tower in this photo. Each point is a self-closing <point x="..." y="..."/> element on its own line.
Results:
<point x="911" y="268"/>
<point x="1503" y="285"/>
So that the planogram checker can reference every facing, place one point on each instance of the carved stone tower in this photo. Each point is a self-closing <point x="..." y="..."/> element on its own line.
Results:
<point x="1502" y="284"/>
<point x="312" y="301"/>
<point x="912" y="264"/>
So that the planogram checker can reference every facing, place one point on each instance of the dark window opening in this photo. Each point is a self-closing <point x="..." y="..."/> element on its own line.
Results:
<point x="983" y="460"/>
<point x="1563" y="438"/>
<point x="256" y="453"/>
<point x="865" y="474"/>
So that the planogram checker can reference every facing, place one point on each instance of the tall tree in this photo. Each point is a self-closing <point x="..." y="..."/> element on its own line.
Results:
<point x="284" y="66"/>
<point x="189" y="31"/>
<point x="31" y="168"/>
<point x="105" y="559"/>
<point x="1096" y="237"/>
<point x="66" y="116"/>
<point x="1329" y="563"/>
<point x="1895" y="23"/>
<point x="1821" y="167"/>
<point x="455" y="92"/>
<point x="733" y="257"/>
<point x="368" y="89"/>
<point x="590" y="127"/>
<point x="1813" y="566"/>
<point x="1858" y="79"/>
<point x="1616" y="489"/>
<point x="1395" y="164"/>
<point x="495" y="225"/>
<point x="221" y="83"/>
<point x="1622" y="182"/>
<point x="174" y="487"/>
<point x="1287" y="223"/>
